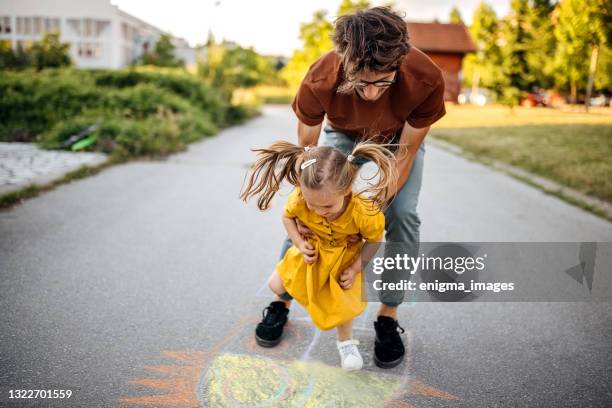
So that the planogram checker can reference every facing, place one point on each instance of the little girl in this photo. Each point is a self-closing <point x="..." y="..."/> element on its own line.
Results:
<point x="322" y="273"/>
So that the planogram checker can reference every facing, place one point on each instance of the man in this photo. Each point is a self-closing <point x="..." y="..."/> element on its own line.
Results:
<point x="372" y="86"/>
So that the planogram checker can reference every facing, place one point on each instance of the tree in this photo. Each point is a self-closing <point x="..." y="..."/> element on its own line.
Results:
<point x="13" y="59"/>
<point x="582" y="29"/>
<point x="455" y="16"/>
<point x="350" y="6"/>
<point x="163" y="54"/>
<point x="316" y="39"/>
<point x="603" y="75"/>
<point x="541" y="47"/>
<point x="484" y="68"/>
<point x="227" y="66"/>
<point x="50" y="52"/>
<point x="514" y="53"/>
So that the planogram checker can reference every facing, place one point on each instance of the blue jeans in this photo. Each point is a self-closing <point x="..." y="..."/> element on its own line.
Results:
<point x="402" y="223"/>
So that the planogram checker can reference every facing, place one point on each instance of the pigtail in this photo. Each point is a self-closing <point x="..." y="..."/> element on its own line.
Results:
<point x="386" y="174"/>
<point x="273" y="165"/>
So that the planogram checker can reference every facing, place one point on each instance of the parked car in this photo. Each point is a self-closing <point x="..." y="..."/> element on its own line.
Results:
<point x="554" y="99"/>
<point x="479" y="98"/>
<point x="537" y="97"/>
<point x="600" y="100"/>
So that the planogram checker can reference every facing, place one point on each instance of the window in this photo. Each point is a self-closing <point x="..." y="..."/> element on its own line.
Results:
<point x="5" y="25"/>
<point x="30" y="25"/>
<point x="88" y="27"/>
<point x="75" y="25"/>
<point x="27" y="25"/>
<point x="37" y="29"/>
<point x="87" y="30"/>
<point x="128" y="32"/>
<point x="89" y="50"/>
<point x="101" y="26"/>
<point x="52" y="24"/>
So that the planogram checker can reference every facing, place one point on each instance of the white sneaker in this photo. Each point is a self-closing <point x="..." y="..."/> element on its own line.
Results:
<point x="349" y="355"/>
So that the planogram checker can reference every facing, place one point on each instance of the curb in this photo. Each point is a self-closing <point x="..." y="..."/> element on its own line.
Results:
<point x="32" y="189"/>
<point x="44" y="179"/>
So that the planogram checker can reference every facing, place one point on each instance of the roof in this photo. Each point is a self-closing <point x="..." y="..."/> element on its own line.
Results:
<point x="440" y="37"/>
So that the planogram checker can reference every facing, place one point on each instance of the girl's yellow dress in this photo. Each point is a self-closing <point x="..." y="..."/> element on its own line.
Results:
<point x="316" y="286"/>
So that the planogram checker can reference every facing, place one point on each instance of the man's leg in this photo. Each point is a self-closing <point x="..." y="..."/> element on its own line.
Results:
<point x="402" y="225"/>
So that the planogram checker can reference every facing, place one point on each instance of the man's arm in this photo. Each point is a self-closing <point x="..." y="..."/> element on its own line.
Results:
<point x="308" y="135"/>
<point x="410" y="139"/>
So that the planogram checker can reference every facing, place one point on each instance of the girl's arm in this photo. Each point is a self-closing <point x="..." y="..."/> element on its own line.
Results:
<point x="292" y="231"/>
<point x="305" y="247"/>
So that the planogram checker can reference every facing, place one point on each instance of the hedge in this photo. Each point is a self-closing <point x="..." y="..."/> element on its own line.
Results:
<point x="137" y="113"/>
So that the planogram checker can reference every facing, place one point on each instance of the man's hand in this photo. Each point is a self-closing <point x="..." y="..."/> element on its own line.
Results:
<point x="304" y="231"/>
<point x="353" y="239"/>
<point x="308" y="251"/>
<point x="347" y="278"/>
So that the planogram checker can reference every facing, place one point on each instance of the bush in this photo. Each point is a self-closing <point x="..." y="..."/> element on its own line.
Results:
<point x="47" y="53"/>
<point x="32" y="103"/>
<point x="183" y="85"/>
<point x="139" y="113"/>
<point x="123" y="136"/>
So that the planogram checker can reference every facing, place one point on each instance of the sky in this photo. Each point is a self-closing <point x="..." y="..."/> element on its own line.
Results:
<point x="271" y="26"/>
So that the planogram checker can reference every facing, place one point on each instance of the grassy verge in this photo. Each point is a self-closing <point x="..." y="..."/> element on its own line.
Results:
<point x="266" y="94"/>
<point x="570" y="148"/>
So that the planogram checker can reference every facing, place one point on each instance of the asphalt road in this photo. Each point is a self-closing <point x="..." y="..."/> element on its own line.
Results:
<point x="141" y="286"/>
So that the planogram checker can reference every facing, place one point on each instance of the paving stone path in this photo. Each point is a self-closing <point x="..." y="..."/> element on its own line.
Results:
<point x="22" y="164"/>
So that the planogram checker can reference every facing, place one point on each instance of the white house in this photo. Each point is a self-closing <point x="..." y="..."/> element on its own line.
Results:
<point x="100" y="34"/>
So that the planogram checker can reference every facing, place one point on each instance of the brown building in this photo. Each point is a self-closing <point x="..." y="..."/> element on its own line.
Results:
<point x="446" y="45"/>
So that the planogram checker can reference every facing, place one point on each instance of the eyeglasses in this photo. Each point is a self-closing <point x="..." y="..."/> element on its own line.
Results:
<point x="378" y="84"/>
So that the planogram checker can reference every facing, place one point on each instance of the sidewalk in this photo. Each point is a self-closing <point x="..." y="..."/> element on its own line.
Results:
<point x="24" y="164"/>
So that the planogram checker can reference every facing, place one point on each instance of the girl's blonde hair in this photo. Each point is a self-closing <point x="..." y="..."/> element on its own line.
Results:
<point x="282" y="161"/>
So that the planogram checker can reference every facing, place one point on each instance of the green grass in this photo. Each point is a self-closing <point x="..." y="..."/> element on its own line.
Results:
<point x="571" y="148"/>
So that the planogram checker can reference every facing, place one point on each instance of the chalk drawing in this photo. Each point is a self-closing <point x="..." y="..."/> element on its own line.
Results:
<point x="237" y="373"/>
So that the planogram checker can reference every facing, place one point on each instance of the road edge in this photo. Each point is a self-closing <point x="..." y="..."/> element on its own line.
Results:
<point x="588" y="203"/>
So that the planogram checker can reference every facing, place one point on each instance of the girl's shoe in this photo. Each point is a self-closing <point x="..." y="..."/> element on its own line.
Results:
<point x="349" y="355"/>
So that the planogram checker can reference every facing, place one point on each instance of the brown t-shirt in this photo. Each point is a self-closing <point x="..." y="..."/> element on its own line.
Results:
<point x="417" y="97"/>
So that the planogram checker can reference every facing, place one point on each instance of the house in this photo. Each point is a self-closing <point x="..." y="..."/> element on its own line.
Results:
<point x="99" y="33"/>
<point x="446" y="45"/>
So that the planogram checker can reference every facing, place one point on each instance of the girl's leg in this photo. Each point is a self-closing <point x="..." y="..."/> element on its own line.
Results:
<point x="276" y="285"/>
<point x="269" y="331"/>
<point x="344" y="331"/>
<point x="350" y="358"/>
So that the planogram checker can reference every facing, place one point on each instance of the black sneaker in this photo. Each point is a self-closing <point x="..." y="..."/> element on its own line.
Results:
<point x="269" y="331"/>
<point x="388" y="347"/>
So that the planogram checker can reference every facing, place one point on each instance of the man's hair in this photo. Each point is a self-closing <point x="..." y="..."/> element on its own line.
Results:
<point x="373" y="39"/>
